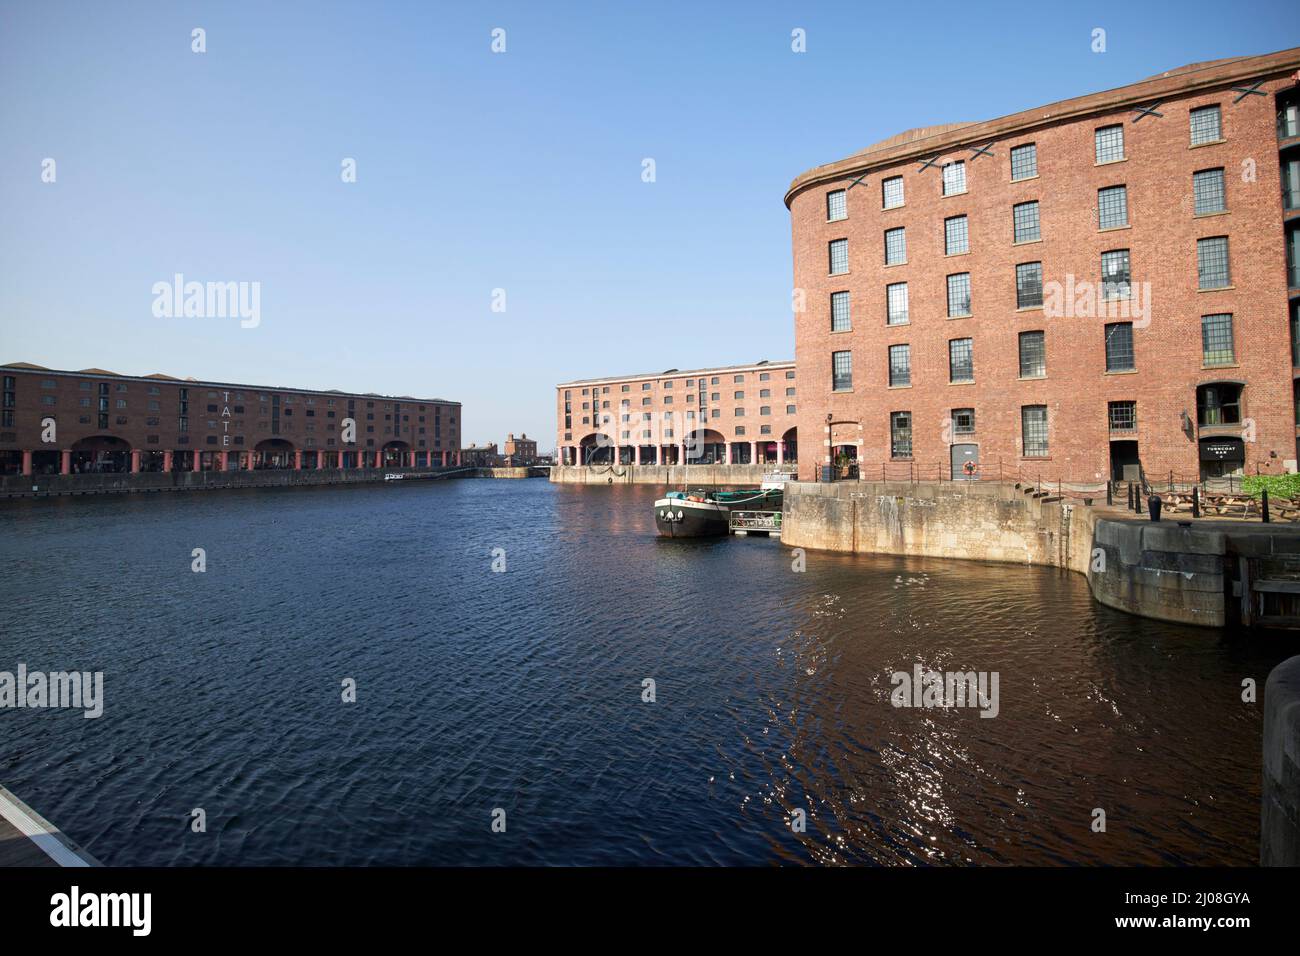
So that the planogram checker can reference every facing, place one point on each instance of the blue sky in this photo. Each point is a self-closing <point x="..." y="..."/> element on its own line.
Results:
<point x="477" y="171"/>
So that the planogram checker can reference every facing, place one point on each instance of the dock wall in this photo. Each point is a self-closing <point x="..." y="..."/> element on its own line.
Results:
<point x="665" y="475"/>
<point x="1161" y="571"/>
<point x="1279" y="829"/>
<point x="42" y="486"/>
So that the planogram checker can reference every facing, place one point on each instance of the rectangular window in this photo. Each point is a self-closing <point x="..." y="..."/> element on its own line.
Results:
<point x="1206" y="125"/>
<point x="840" y="319"/>
<point x="895" y="246"/>
<point x="839" y="256"/>
<point x="1033" y="430"/>
<point x="956" y="236"/>
<point x="892" y="192"/>
<point x="954" y="178"/>
<point x="1212" y="262"/>
<point x="1119" y="347"/>
<point x="1112" y="207"/>
<point x="961" y="360"/>
<point x="841" y="371"/>
<point x="1029" y="285"/>
<point x="1024" y="216"/>
<point x="900" y="365"/>
<point x="900" y="434"/>
<point x="837" y="206"/>
<point x="959" y="295"/>
<point x="963" y="421"/>
<point x="1033" y="355"/>
<point x="1115" y="274"/>
<point x="1122" y="416"/>
<point x="1024" y="161"/>
<point x="1216" y="340"/>
<point x="896" y="303"/>
<point x="1110" y="143"/>
<point x="1207" y="189"/>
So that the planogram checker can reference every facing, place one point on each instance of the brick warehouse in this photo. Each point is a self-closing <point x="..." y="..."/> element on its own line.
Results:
<point x="654" y="419"/>
<point x="1064" y="292"/>
<point x="105" y="422"/>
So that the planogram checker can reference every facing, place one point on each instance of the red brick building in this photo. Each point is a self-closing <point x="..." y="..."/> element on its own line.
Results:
<point x="748" y="413"/>
<point x="521" y="450"/>
<point x="1063" y="292"/>
<point x="63" y="422"/>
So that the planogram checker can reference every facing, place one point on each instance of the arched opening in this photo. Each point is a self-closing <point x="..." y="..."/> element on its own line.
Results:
<point x="596" y="448"/>
<point x="790" y="446"/>
<point x="395" y="454"/>
<point x="273" y="454"/>
<point x="704" y="446"/>
<point x="99" y="454"/>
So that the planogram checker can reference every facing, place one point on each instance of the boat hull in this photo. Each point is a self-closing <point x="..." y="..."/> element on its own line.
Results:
<point x="679" y="518"/>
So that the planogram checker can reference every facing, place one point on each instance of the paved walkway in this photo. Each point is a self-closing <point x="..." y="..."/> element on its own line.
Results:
<point x="28" y="839"/>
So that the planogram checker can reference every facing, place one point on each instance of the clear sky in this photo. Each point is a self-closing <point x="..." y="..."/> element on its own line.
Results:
<point x="478" y="171"/>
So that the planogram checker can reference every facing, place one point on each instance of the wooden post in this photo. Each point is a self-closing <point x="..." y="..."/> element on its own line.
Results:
<point x="1196" y="501"/>
<point x="1263" y="507"/>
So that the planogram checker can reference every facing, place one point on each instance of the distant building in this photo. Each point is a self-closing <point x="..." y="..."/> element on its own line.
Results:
<point x="90" y="421"/>
<point x="731" y="414"/>
<point x="521" y="450"/>
<point x="480" y="456"/>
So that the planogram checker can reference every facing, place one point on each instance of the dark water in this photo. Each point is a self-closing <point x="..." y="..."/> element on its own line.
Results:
<point x="522" y="690"/>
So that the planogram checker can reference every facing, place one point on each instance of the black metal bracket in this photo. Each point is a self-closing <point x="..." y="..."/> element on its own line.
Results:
<point x="1245" y="91"/>
<point x="927" y="163"/>
<point x="981" y="151"/>
<point x="860" y="181"/>
<point x="1147" y="111"/>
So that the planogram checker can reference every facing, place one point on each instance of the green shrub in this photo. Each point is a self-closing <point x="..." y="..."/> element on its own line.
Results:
<point x="1279" y="486"/>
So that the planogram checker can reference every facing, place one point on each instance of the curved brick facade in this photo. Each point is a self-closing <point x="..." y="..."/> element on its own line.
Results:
<point x="1083" y="391"/>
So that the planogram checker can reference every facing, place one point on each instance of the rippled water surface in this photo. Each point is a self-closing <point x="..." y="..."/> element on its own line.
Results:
<point x="523" y="691"/>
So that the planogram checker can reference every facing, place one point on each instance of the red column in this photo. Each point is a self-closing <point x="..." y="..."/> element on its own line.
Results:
<point x="225" y="460"/>
<point x="65" y="462"/>
<point x="27" y="463"/>
<point x="167" y="461"/>
<point x="297" y="460"/>
<point x="320" y="460"/>
<point x="198" y="460"/>
<point x="444" y="459"/>
<point x="135" y="461"/>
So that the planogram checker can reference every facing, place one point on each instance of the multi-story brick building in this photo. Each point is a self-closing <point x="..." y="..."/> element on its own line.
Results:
<point x="1063" y="292"/>
<point x="734" y="414"/>
<point x="63" y="422"/>
<point x="521" y="450"/>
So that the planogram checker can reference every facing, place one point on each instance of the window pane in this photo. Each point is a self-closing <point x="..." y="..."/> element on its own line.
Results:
<point x="893" y="192"/>
<point x="1024" y="161"/>
<point x="1119" y="347"/>
<point x="956" y="236"/>
<point x="896" y="295"/>
<point x="895" y="246"/>
<point x="1110" y="144"/>
<point x="840" y="321"/>
<point x="1115" y="278"/>
<point x="839" y="256"/>
<point x="837" y="206"/>
<point x="900" y="365"/>
<point x="1122" y="416"/>
<point x="1029" y="285"/>
<point x="961" y="362"/>
<point x="1216" y="339"/>
<point x="841" y="370"/>
<point x="1212" y="262"/>
<point x="1025" y="216"/>
<point x="1205" y="125"/>
<point x="959" y="294"/>
<point x="1112" y="207"/>
<point x="900" y="434"/>
<point x="963" y="421"/>
<point x="1207" y="187"/>
<point x="1033" y="428"/>
<point x="1033" y="355"/>
<point x="954" y="178"/>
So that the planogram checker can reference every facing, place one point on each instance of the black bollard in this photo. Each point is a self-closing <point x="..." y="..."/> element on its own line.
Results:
<point x="1130" y="496"/>
<point x="1263" y="507"/>
<point x="1196" y="501"/>
<point x="1153" y="506"/>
